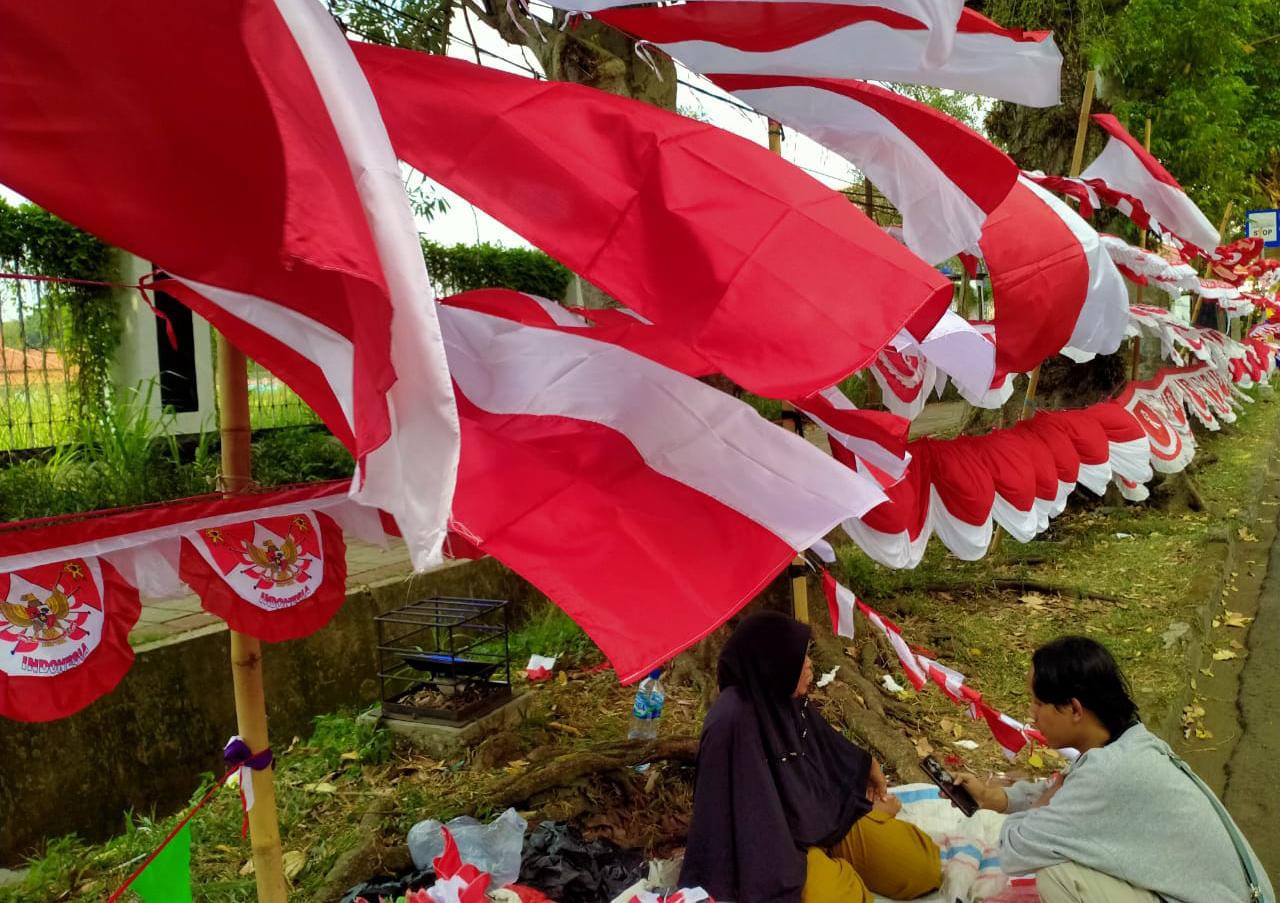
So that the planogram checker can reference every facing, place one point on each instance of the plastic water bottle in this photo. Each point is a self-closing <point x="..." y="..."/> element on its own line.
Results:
<point x="647" y="710"/>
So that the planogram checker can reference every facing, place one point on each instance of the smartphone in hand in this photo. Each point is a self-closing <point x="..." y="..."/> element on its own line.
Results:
<point x="947" y="784"/>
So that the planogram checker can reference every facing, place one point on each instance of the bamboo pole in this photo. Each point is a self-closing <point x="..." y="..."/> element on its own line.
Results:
<point x="1077" y="163"/>
<point x="1136" y="357"/>
<point x="246" y="651"/>
<point x="799" y="583"/>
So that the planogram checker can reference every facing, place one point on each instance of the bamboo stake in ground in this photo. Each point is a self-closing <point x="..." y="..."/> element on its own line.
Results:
<point x="1077" y="162"/>
<point x="246" y="651"/>
<point x="1142" y="243"/>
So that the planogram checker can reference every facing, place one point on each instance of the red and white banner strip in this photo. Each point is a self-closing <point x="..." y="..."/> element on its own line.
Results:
<point x="1149" y="268"/>
<point x="920" y="669"/>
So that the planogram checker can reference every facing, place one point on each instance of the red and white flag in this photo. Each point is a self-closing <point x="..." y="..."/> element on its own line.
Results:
<point x="876" y="437"/>
<point x="1053" y="282"/>
<point x="275" y="578"/>
<point x="646" y="504"/>
<point x="64" y="637"/>
<point x="841" y="604"/>
<point x="833" y="40"/>
<point x="776" y="280"/>
<point x="243" y="153"/>
<point x="1127" y="166"/>
<point x="944" y="177"/>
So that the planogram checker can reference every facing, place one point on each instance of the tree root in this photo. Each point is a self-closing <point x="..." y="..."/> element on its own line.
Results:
<point x="574" y="766"/>
<point x="1018" y="584"/>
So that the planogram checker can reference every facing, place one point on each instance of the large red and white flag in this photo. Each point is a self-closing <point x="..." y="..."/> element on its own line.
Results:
<point x="1053" y="282"/>
<point x="776" y="280"/>
<point x="1126" y="166"/>
<point x="939" y="16"/>
<point x="944" y="177"/>
<point x="833" y="40"/>
<point x="649" y="506"/>
<point x="243" y="153"/>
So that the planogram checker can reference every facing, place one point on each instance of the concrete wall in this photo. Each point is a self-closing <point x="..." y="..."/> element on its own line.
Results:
<point x="146" y="744"/>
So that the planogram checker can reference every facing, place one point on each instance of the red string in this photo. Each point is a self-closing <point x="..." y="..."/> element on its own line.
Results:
<point x="141" y="289"/>
<point x="172" y="834"/>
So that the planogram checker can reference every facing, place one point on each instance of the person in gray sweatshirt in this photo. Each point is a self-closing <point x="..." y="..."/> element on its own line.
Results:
<point x="1128" y="821"/>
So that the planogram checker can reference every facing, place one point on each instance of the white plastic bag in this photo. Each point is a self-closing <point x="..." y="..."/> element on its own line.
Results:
<point x="493" y="848"/>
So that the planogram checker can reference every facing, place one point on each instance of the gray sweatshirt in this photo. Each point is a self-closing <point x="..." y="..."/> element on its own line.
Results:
<point x="1126" y="810"/>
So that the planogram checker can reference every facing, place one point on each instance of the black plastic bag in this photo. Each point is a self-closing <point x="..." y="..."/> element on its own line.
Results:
<point x="386" y="887"/>
<point x="559" y="862"/>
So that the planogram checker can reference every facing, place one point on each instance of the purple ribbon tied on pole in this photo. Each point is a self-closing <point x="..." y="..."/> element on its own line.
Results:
<point x="242" y="762"/>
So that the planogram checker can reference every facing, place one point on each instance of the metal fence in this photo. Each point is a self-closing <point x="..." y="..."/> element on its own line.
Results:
<point x="37" y="408"/>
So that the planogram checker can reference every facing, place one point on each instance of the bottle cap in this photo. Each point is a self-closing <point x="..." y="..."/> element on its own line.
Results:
<point x="655" y="673"/>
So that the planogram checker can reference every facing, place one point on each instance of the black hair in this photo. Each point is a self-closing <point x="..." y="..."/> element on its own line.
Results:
<point x="1076" y="667"/>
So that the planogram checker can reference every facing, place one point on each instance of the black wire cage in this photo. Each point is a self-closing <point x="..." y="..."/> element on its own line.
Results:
<point x="445" y="659"/>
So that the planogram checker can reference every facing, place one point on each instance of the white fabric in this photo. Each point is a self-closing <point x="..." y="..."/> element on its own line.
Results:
<point x="1022" y="72"/>
<point x="846" y="602"/>
<point x="682" y="428"/>
<point x="874" y="454"/>
<point x="1121" y="169"/>
<point x="966" y="541"/>
<point x="955" y="347"/>
<point x="557" y="312"/>
<point x="414" y="473"/>
<point x="938" y="218"/>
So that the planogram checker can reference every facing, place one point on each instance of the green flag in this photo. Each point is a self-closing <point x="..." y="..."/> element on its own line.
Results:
<point x="168" y="878"/>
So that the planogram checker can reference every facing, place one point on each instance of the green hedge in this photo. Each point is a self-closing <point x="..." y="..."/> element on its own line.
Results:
<point x="461" y="268"/>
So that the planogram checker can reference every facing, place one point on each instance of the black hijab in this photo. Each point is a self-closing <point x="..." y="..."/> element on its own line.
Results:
<point x="774" y="778"/>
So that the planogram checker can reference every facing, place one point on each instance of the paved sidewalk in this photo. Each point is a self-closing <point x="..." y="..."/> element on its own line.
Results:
<point x="366" y="564"/>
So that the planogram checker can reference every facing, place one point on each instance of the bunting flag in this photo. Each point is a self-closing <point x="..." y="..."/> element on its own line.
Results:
<point x="1126" y="166"/>
<point x="876" y="437"/>
<point x="1054" y="284"/>
<point x="167" y="878"/>
<point x="271" y="564"/>
<point x="249" y="572"/>
<point x="1020" y="477"/>
<point x="296" y="241"/>
<point x="944" y="177"/>
<point x="1149" y="268"/>
<point x="64" y="636"/>
<point x="777" y="281"/>
<point x="626" y="467"/>
<point x="833" y="40"/>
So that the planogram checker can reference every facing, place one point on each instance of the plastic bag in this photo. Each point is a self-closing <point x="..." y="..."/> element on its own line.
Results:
<point x="493" y="848"/>
<point x="569" y="869"/>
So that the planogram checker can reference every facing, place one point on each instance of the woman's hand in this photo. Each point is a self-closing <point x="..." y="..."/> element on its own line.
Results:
<point x="987" y="796"/>
<point x="890" y="805"/>
<point x="877" y="784"/>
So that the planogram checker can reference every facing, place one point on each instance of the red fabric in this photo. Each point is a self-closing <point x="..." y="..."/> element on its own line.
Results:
<point x="749" y="26"/>
<point x="976" y="166"/>
<point x="1112" y="127"/>
<point x="546" y="493"/>
<point x="1085" y="433"/>
<point x="1116" y="422"/>
<point x="889" y="431"/>
<point x="972" y="22"/>
<point x="1039" y="276"/>
<point x="1065" y="457"/>
<point x="963" y="481"/>
<point x="528" y="894"/>
<point x="291" y="623"/>
<point x="49" y="697"/>
<point x="777" y="281"/>
<point x="1009" y="460"/>
<point x="273" y="212"/>
<point x="907" y="509"/>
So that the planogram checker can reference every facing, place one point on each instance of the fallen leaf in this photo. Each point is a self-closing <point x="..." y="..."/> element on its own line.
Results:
<point x="322" y="787"/>
<point x="923" y="747"/>
<point x="1035" y="761"/>
<point x="247" y="868"/>
<point x="350" y="756"/>
<point x="1222" y="655"/>
<point x="1204" y="734"/>
<point x="516" y="766"/>
<point x="1034" y="601"/>
<point x="294" y="861"/>
<point x="1207" y="672"/>
<point x="1236" y="619"/>
<point x="1245" y="535"/>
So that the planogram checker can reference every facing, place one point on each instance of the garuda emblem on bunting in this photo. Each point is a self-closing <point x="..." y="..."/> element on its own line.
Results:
<point x="275" y="578"/>
<point x="63" y="637"/>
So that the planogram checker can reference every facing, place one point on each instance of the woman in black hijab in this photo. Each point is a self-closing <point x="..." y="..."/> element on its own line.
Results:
<point x="785" y="809"/>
